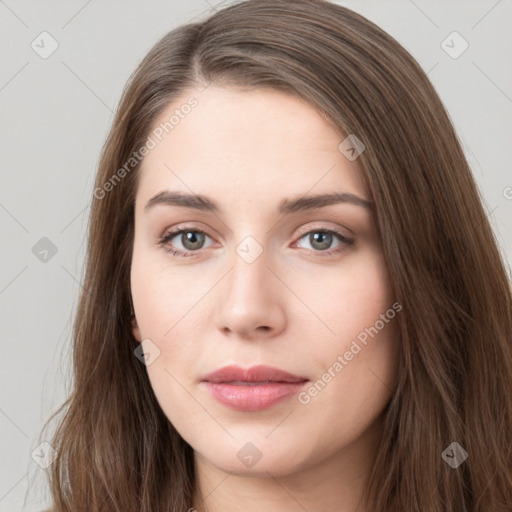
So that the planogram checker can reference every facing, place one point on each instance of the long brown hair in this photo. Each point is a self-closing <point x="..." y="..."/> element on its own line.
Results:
<point x="116" y="449"/>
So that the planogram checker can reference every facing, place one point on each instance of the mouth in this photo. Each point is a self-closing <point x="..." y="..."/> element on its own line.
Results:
<point x="252" y="389"/>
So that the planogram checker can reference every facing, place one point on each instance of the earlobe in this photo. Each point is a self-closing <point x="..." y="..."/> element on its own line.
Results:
<point x="135" y="329"/>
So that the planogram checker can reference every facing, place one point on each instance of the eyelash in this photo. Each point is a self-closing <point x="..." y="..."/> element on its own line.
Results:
<point x="168" y="236"/>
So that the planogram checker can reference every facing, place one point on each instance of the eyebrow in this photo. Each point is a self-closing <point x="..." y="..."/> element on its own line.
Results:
<point x="286" y="206"/>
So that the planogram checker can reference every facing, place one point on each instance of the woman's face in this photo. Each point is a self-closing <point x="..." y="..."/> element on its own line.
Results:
<point x="273" y="277"/>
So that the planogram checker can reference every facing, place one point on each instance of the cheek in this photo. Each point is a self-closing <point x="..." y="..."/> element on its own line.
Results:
<point x="345" y="298"/>
<point x="355" y="381"/>
<point x="360" y="382"/>
<point x="169" y="313"/>
<point x="357" y="365"/>
<point x="162" y="293"/>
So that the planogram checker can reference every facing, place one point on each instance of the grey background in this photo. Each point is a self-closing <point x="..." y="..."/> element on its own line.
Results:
<point x="56" y="113"/>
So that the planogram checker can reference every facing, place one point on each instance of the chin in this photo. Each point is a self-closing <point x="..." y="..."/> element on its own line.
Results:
<point x="256" y="458"/>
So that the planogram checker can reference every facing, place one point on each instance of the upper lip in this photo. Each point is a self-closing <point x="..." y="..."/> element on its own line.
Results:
<point x="260" y="373"/>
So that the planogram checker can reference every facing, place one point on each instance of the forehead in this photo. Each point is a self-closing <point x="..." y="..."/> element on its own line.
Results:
<point x="256" y="143"/>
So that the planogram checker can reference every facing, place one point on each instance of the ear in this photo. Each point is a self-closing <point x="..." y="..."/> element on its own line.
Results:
<point x="135" y="329"/>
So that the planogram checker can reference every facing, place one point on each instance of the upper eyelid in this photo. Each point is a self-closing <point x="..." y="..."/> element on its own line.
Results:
<point x="337" y="231"/>
<point x="169" y="234"/>
<point x="302" y="231"/>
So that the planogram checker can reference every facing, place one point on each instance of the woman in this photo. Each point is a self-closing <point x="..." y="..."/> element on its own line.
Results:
<point x="293" y="297"/>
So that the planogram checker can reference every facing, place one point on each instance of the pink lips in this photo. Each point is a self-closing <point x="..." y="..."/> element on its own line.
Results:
<point x="252" y="389"/>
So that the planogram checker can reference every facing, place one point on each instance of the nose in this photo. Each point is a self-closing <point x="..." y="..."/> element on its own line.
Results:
<point x="251" y="300"/>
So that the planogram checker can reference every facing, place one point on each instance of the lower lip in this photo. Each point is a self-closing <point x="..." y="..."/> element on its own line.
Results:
<point x="252" y="398"/>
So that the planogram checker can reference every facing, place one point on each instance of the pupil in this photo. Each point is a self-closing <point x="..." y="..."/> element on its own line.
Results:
<point x="322" y="245"/>
<point x="191" y="237"/>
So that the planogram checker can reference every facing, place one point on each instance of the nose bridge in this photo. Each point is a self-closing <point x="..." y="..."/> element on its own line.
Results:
<point x="250" y="276"/>
<point x="250" y="298"/>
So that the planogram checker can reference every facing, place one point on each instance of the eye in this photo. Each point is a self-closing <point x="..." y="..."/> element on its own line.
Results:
<point x="321" y="239"/>
<point x="191" y="239"/>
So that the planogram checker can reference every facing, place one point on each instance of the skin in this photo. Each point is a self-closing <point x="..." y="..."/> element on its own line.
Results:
<point x="290" y="308"/>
